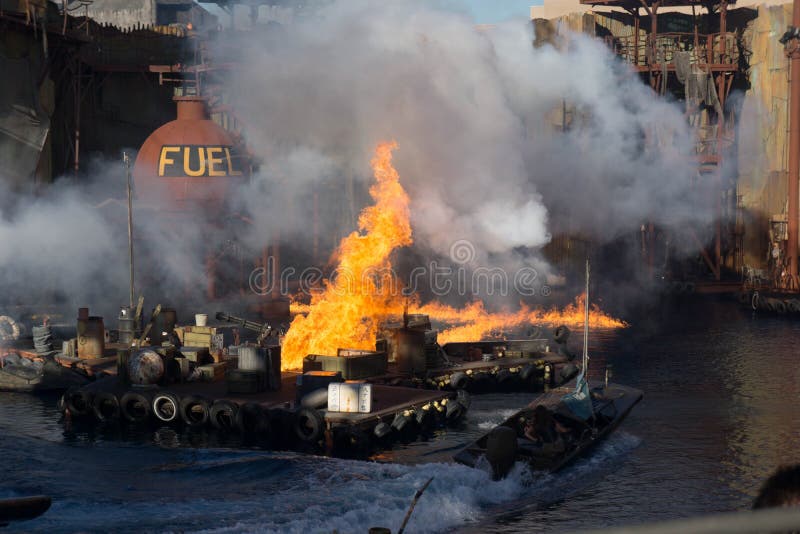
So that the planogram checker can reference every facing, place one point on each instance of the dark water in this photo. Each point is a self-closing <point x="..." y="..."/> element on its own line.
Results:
<point x="719" y="415"/>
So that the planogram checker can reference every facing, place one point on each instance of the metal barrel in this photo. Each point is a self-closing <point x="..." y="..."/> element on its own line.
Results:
<point x="126" y="325"/>
<point x="91" y="337"/>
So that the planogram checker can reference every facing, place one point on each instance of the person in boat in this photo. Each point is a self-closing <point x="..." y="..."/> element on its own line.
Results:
<point x="544" y="431"/>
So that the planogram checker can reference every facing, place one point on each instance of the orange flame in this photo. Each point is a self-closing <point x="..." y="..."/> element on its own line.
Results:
<point x="475" y="322"/>
<point x="350" y="307"/>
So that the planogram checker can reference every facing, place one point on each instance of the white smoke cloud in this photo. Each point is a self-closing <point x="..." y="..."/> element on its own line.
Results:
<point x="469" y="109"/>
<point x="57" y="247"/>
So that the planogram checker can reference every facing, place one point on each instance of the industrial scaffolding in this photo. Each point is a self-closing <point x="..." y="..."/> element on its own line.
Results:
<point x="701" y="68"/>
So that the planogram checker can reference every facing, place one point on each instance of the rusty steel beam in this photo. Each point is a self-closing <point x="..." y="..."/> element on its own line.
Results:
<point x="714" y="267"/>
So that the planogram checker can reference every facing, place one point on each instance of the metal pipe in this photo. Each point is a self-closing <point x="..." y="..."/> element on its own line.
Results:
<point x="721" y="94"/>
<point x="127" y="161"/>
<point x="793" y="52"/>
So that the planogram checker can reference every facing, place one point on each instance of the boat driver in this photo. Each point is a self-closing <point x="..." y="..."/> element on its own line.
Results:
<point x="543" y="430"/>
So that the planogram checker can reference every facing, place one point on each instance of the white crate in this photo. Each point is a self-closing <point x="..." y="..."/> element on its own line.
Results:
<point x="350" y="397"/>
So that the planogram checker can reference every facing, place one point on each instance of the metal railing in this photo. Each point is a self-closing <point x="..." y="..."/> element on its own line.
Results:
<point x="652" y="51"/>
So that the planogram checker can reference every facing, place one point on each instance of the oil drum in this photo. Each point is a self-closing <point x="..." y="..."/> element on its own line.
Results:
<point x="91" y="337"/>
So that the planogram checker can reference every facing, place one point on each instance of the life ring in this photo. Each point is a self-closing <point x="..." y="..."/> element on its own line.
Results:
<point x="309" y="425"/>
<point x="135" y="407"/>
<point x="194" y="410"/>
<point x="9" y="329"/>
<point x="223" y="414"/>
<point x="166" y="407"/>
<point x="106" y="407"/>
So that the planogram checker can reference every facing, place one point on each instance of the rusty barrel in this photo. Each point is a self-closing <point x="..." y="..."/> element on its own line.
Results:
<point x="407" y="346"/>
<point x="91" y="337"/>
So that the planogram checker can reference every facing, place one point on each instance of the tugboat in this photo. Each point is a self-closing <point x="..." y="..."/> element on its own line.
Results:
<point x="558" y="426"/>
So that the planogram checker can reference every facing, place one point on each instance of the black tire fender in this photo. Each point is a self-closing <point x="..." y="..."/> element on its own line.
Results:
<point x="352" y="443"/>
<point x="251" y="420"/>
<point x="309" y="425"/>
<point x="459" y="380"/>
<point x="568" y="372"/>
<point x="506" y="380"/>
<point x="106" y="407"/>
<point x="455" y="411"/>
<point x="78" y="401"/>
<point x="224" y="414"/>
<point x="136" y="407"/>
<point x="561" y="334"/>
<point x="464" y="398"/>
<point x="528" y="372"/>
<point x="194" y="410"/>
<point x="482" y="383"/>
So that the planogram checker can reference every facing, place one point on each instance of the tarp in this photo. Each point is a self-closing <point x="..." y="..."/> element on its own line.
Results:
<point x="23" y="124"/>
<point x="700" y="87"/>
<point x="579" y="402"/>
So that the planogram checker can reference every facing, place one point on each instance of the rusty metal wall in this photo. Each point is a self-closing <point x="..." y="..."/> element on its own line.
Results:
<point x="763" y="128"/>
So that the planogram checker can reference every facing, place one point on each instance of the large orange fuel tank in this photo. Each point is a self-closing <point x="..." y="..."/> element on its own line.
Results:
<point x="189" y="164"/>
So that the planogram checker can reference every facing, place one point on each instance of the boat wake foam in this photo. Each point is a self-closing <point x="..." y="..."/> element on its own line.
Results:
<point x="226" y="491"/>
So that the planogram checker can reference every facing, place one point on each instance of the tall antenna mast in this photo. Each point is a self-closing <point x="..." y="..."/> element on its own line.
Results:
<point x="586" y="322"/>
<point x="127" y="161"/>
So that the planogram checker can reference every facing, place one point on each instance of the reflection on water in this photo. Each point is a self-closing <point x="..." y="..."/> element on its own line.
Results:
<point x="718" y="417"/>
